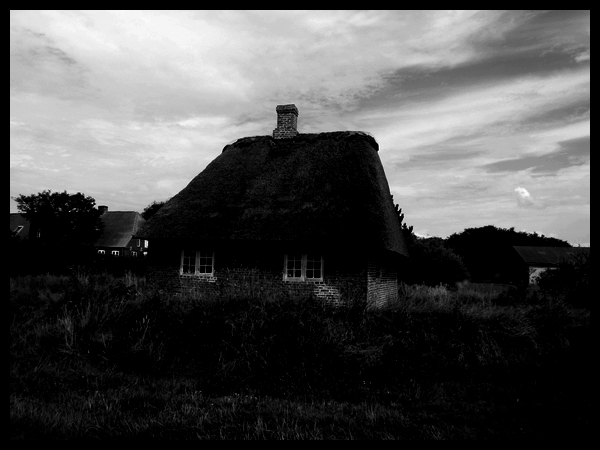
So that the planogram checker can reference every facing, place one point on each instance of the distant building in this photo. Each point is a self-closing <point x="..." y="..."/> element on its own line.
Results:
<point x="19" y="226"/>
<point x="119" y="228"/>
<point x="116" y="240"/>
<point x="539" y="259"/>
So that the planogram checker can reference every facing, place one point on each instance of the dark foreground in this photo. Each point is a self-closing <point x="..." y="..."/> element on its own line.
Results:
<point x="97" y="358"/>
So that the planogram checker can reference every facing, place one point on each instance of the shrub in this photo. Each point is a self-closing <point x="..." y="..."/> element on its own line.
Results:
<point x="431" y="263"/>
<point x="569" y="282"/>
<point x="97" y="356"/>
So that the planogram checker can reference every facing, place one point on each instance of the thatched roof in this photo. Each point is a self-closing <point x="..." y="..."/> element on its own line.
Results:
<point x="325" y="187"/>
<point x="119" y="228"/>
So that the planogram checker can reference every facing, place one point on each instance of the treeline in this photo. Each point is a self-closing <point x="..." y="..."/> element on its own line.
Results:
<point x="483" y="254"/>
<point x="64" y="227"/>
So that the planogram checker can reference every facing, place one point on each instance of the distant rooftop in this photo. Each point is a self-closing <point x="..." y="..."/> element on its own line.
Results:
<point x="548" y="256"/>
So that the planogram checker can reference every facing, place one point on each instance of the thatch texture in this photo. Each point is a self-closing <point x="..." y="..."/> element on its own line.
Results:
<point x="119" y="227"/>
<point x="325" y="187"/>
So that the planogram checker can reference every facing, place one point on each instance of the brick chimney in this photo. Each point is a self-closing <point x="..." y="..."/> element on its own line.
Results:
<point x="287" y="121"/>
<point x="102" y="209"/>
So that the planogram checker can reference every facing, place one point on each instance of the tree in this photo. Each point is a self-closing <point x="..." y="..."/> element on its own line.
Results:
<point x="487" y="251"/>
<point x="407" y="231"/>
<point x="63" y="229"/>
<point x="570" y="281"/>
<point x="152" y="209"/>
<point x="430" y="262"/>
<point x="61" y="218"/>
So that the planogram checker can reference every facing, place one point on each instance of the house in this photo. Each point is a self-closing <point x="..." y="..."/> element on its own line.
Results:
<point x="19" y="226"/>
<point x="116" y="239"/>
<point x="539" y="259"/>
<point x="119" y="228"/>
<point x="306" y="212"/>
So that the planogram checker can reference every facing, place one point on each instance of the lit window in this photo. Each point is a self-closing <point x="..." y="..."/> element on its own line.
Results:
<point x="197" y="262"/>
<point x="303" y="267"/>
<point x="18" y="229"/>
<point x="101" y="252"/>
<point x="115" y="252"/>
<point x="133" y="253"/>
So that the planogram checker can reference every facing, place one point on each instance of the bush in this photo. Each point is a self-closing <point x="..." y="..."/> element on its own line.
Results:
<point x="569" y="282"/>
<point x="431" y="263"/>
<point x="95" y="356"/>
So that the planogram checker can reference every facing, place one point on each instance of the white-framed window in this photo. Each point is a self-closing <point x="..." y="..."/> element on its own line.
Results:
<point x="197" y="262"/>
<point x="101" y="252"/>
<point x="115" y="252"/>
<point x="133" y="253"/>
<point x="303" y="267"/>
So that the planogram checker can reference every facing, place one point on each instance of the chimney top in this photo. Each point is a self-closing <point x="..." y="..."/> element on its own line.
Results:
<point x="102" y="208"/>
<point x="287" y="121"/>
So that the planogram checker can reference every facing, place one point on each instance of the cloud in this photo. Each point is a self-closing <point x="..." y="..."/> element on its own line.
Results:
<point x="524" y="198"/>
<point x="583" y="56"/>
<point x="496" y="110"/>
<point x="38" y="64"/>
<point x="182" y="60"/>
<point x="465" y="105"/>
<point x="20" y="160"/>
<point x="574" y="152"/>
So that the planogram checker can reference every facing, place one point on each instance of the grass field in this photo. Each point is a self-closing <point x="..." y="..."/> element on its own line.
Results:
<point x="96" y="357"/>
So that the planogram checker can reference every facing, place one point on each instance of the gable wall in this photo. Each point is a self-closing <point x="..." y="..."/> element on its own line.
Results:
<point x="382" y="281"/>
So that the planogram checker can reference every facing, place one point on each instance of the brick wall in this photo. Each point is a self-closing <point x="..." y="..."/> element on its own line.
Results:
<point x="164" y="278"/>
<point x="382" y="282"/>
<point x="343" y="282"/>
<point x="335" y="289"/>
<point x="349" y="276"/>
<point x="287" y="122"/>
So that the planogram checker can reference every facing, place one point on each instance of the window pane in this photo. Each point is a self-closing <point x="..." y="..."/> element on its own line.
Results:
<point x="189" y="262"/>
<point x="313" y="265"/>
<point x="205" y="260"/>
<point x="294" y="265"/>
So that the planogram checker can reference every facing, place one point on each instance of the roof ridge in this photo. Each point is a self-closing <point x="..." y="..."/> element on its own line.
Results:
<point x="136" y="222"/>
<point x="305" y="136"/>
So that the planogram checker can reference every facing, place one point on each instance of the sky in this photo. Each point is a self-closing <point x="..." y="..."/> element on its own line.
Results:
<point x="482" y="117"/>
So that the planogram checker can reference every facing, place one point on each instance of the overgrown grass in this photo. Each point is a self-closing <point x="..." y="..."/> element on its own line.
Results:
<point x="101" y="357"/>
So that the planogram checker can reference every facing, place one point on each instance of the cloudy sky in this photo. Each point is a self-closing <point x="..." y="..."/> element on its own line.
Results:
<point x="482" y="117"/>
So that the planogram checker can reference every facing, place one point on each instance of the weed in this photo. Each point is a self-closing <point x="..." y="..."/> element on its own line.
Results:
<point x="105" y="357"/>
